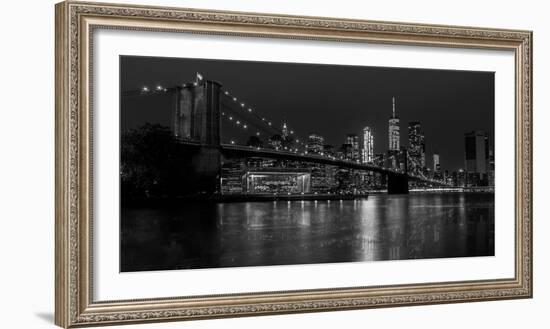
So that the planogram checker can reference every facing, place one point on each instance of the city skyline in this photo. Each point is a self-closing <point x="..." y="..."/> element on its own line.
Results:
<point x="443" y="134"/>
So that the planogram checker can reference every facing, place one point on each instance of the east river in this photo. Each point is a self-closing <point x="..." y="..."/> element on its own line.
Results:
<point x="382" y="227"/>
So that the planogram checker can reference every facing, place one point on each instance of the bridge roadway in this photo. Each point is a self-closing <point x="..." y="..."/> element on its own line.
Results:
<point x="232" y="149"/>
<point x="298" y="156"/>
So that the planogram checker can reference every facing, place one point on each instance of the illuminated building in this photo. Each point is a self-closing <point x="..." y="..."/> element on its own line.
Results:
<point x="315" y="143"/>
<point x="281" y="181"/>
<point x="417" y="148"/>
<point x="393" y="129"/>
<point x="436" y="165"/>
<point x="368" y="145"/>
<point x="353" y="140"/>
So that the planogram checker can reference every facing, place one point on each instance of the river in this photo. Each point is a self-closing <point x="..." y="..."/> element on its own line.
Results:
<point x="382" y="227"/>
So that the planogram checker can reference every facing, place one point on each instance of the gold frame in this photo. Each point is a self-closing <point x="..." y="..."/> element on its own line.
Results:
<point x="76" y="21"/>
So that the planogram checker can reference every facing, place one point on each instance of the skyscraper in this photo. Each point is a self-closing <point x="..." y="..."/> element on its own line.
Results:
<point x="353" y="140"/>
<point x="315" y="143"/>
<point x="476" y="147"/>
<point x="417" y="148"/>
<point x="476" y="152"/>
<point x="393" y="129"/>
<point x="368" y="145"/>
<point x="437" y="165"/>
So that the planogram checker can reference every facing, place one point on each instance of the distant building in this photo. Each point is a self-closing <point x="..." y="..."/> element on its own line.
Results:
<point x="368" y="146"/>
<point x="285" y="131"/>
<point x="379" y="160"/>
<point x="461" y="178"/>
<point x="393" y="130"/>
<point x="328" y="150"/>
<point x="417" y="148"/>
<point x="346" y="152"/>
<point x="315" y="143"/>
<point x="476" y="146"/>
<point x="276" y="142"/>
<point x="436" y="164"/>
<point x="353" y="140"/>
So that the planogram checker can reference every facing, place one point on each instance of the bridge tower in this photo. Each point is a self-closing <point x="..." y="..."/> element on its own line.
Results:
<point x="197" y="119"/>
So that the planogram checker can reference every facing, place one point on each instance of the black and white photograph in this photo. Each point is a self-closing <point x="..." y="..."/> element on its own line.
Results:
<point x="229" y="163"/>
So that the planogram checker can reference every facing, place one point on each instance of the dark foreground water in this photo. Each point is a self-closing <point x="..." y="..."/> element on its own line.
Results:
<point x="209" y="235"/>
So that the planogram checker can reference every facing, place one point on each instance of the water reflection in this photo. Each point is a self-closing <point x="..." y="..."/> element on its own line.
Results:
<point x="304" y="232"/>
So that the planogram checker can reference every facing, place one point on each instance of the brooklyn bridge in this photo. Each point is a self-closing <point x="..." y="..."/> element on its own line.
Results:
<point x="217" y="129"/>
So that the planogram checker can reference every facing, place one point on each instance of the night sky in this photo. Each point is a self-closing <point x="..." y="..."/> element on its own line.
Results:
<point x="333" y="100"/>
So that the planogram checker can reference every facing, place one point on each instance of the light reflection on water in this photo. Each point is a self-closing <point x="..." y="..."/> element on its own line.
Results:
<point x="304" y="232"/>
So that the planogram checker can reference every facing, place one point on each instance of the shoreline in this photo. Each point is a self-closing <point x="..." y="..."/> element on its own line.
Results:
<point x="229" y="198"/>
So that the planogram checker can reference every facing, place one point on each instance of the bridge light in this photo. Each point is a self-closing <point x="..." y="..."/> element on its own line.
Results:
<point x="249" y="110"/>
<point x="292" y="132"/>
<point x="258" y="133"/>
<point x="232" y="142"/>
<point x="269" y="123"/>
<point x="145" y="88"/>
<point x="159" y="87"/>
<point x="263" y="119"/>
<point x="234" y="99"/>
<point x="226" y="92"/>
<point x="244" y="126"/>
<point x="242" y="104"/>
<point x="238" y="122"/>
<point x="230" y="118"/>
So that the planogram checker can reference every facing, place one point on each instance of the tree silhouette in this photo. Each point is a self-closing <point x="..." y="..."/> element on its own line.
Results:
<point x="147" y="161"/>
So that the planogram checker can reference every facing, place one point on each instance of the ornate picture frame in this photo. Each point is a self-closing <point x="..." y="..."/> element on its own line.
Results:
<point x="75" y="24"/>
